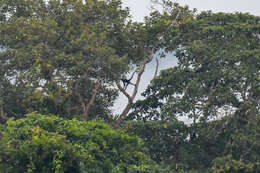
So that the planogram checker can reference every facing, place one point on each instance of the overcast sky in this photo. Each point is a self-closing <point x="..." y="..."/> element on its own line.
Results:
<point x="140" y="8"/>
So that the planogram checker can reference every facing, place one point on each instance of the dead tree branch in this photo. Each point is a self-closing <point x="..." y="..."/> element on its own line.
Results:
<point x="131" y="98"/>
<point x="86" y="106"/>
<point x="91" y="102"/>
<point x="156" y="68"/>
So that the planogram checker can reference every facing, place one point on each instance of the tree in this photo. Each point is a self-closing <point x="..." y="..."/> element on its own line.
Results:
<point x="70" y="54"/>
<point x="63" y="57"/>
<point x="149" y="37"/>
<point x="163" y="139"/>
<point x="228" y="165"/>
<point x="215" y="84"/>
<point x="218" y="70"/>
<point x="41" y="143"/>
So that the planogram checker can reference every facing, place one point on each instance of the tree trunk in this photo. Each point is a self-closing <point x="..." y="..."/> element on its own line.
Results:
<point x="86" y="107"/>
<point x="91" y="102"/>
<point x="156" y="68"/>
<point x="3" y="117"/>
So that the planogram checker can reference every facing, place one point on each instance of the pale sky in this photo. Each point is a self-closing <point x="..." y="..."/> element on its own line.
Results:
<point x="140" y="8"/>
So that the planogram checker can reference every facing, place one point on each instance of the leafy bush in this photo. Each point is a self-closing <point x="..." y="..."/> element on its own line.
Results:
<point x="228" y="165"/>
<point x="163" y="139"/>
<point x="40" y="143"/>
<point x="170" y="144"/>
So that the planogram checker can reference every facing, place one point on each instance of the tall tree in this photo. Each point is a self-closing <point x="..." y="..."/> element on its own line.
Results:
<point x="63" y="57"/>
<point x="217" y="73"/>
<point x="149" y="37"/>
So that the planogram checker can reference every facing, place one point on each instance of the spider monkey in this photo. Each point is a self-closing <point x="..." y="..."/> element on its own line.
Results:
<point x="126" y="82"/>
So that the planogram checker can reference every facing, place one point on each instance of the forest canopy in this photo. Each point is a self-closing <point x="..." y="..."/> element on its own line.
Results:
<point x="63" y="63"/>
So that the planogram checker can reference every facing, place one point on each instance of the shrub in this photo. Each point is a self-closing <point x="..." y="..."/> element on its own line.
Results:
<point x="40" y="143"/>
<point x="228" y="165"/>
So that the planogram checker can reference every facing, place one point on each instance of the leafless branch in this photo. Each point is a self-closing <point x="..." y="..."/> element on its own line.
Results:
<point x="131" y="98"/>
<point x="86" y="106"/>
<point x="91" y="102"/>
<point x="123" y="90"/>
<point x="156" y="68"/>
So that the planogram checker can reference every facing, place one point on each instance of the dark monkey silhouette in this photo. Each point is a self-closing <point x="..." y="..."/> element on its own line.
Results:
<point x="126" y="82"/>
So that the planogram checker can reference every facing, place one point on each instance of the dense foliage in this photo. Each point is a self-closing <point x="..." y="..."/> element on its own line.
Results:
<point x="163" y="139"/>
<point x="41" y="143"/>
<point x="63" y="57"/>
<point x="72" y="59"/>
<point x="217" y="72"/>
<point x="215" y="146"/>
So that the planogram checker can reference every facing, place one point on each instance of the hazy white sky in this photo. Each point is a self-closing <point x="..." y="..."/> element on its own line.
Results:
<point x="140" y="8"/>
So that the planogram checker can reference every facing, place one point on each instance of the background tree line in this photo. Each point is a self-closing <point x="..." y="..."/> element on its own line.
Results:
<point x="72" y="58"/>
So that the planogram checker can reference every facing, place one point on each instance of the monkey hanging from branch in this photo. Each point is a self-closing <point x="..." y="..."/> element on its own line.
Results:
<point x="126" y="82"/>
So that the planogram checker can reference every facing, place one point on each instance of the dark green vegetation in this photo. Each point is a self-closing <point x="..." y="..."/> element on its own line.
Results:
<point x="41" y="143"/>
<point x="68" y="58"/>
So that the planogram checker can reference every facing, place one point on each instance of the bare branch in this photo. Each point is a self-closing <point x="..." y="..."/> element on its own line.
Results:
<point x="131" y="98"/>
<point x="156" y="68"/>
<point x="123" y="90"/>
<point x="91" y="102"/>
<point x="84" y="106"/>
